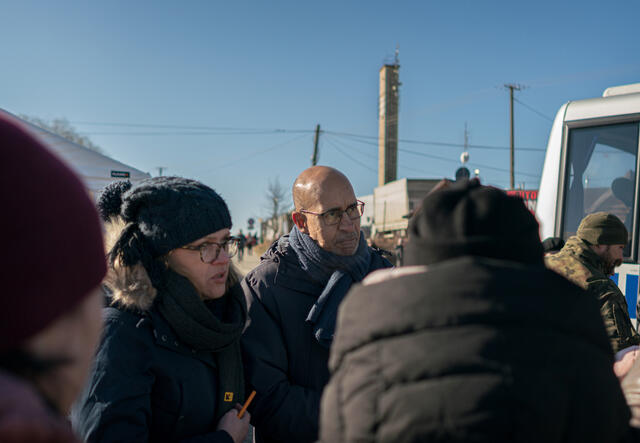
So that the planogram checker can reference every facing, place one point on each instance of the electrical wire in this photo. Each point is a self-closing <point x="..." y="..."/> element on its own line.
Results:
<point x="137" y="133"/>
<point x="546" y="117"/>
<point x="437" y="157"/>
<point x="172" y="126"/>
<point x="358" y="137"/>
<point x="375" y="157"/>
<point x="224" y="130"/>
<point x="355" y="160"/>
<point x="258" y="152"/>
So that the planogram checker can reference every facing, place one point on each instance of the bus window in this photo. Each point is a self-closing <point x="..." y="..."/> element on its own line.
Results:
<point x="601" y="174"/>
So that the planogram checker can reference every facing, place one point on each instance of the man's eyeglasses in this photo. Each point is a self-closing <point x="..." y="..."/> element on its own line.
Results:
<point x="210" y="251"/>
<point x="333" y="216"/>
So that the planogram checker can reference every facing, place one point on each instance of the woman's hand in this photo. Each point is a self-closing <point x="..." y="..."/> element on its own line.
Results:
<point x="236" y="427"/>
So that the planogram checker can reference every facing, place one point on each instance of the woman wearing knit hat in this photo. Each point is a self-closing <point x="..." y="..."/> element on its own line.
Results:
<point x="50" y="304"/>
<point x="169" y="367"/>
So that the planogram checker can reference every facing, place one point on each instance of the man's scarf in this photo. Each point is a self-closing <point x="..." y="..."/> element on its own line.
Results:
<point x="198" y="327"/>
<point x="339" y="271"/>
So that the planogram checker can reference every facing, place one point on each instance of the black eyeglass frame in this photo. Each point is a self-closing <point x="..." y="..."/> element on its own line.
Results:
<point x="230" y="241"/>
<point x="359" y="205"/>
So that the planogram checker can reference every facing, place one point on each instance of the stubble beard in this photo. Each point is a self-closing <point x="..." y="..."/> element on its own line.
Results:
<point x="610" y="265"/>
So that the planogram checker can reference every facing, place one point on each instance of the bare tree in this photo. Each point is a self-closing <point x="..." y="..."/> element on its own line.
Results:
<point x="63" y="128"/>
<point x="277" y="198"/>
<point x="277" y="202"/>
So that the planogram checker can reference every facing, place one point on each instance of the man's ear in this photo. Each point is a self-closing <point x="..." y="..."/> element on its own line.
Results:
<point x="300" y="221"/>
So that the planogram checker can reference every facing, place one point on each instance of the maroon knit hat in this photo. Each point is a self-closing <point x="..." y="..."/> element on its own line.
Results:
<point x="52" y="250"/>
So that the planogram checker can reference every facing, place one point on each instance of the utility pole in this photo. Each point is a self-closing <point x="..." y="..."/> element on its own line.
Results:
<point x="512" y="87"/>
<point x="316" y="139"/>
<point x="466" y="137"/>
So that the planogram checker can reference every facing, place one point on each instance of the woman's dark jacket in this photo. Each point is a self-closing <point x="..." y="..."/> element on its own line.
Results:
<point x="471" y="350"/>
<point x="283" y="361"/>
<point x="147" y="385"/>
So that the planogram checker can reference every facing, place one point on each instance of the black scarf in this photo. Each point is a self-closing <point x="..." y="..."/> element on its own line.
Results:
<point x="199" y="328"/>
<point x="338" y="271"/>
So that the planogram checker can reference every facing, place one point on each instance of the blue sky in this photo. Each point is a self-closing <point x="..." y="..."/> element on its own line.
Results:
<point x="289" y="65"/>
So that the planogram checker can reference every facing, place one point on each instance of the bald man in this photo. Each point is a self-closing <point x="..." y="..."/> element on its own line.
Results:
<point x="293" y="298"/>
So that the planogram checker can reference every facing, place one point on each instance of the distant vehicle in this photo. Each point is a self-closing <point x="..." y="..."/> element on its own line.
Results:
<point x="591" y="165"/>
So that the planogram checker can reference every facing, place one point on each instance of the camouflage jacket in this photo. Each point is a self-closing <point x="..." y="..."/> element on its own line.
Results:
<point x="578" y="263"/>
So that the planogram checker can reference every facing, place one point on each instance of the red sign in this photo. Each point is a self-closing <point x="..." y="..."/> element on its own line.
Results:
<point x="530" y="197"/>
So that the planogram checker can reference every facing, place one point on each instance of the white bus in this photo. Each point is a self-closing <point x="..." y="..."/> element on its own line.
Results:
<point x="591" y="165"/>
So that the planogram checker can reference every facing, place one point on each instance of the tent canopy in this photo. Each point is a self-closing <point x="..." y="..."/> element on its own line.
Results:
<point x="95" y="169"/>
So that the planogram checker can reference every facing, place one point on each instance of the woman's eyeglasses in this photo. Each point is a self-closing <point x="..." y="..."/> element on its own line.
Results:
<point x="209" y="251"/>
<point x="333" y="216"/>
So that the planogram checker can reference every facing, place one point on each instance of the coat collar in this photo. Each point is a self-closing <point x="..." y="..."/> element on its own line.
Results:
<point x="579" y="249"/>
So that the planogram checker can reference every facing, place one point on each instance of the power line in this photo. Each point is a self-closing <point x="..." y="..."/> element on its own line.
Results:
<point x="360" y="151"/>
<point x="546" y="117"/>
<point x="357" y="137"/>
<point x="336" y="147"/>
<point x="173" y="126"/>
<point x="437" y="157"/>
<point x="224" y="130"/>
<point x="375" y="157"/>
<point x="258" y="152"/>
<point x="138" y="133"/>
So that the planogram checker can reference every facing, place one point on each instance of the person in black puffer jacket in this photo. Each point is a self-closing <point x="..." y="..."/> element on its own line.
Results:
<point x="474" y="341"/>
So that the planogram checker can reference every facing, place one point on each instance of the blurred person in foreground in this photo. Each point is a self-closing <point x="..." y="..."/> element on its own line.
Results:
<point x="473" y="340"/>
<point x="588" y="259"/>
<point x="293" y="298"/>
<point x="169" y="367"/>
<point x="50" y="305"/>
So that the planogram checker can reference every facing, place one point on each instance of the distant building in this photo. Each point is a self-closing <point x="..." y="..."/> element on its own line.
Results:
<point x="273" y="228"/>
<point x="387" y="212"/>
<point x="366" y="221"/>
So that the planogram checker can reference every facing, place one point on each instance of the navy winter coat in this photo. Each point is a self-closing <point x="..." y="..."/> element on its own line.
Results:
<point x="283" y="361"/>
<point x="147" y="385"/>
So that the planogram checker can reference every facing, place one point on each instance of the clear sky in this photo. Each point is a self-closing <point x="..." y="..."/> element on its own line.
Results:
<point x="159" y="83"/>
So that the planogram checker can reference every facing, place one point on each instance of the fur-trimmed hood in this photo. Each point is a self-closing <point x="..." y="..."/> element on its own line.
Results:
<point x="130" y="286"/>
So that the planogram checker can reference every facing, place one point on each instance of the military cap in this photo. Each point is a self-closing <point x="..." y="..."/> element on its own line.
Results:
<point x="602" y="228"/>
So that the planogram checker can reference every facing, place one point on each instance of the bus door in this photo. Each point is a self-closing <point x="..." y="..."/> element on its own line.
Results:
<point x="600" y="174"/>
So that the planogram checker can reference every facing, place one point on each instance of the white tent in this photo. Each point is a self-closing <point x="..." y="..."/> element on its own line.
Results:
<point x="95" y="169"/>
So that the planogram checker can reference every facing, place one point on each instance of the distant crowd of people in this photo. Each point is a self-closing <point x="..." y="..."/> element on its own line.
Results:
<point x="133" y="324"/>
<point x="248" y="242"/>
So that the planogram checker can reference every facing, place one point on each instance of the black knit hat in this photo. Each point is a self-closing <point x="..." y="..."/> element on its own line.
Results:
<point x="110" y="200"/>
<point x="163" y="213"/>
<point x="470" y="219"/>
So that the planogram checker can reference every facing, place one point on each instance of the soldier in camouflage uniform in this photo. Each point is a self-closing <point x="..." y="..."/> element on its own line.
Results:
<point x="588" y="259"/>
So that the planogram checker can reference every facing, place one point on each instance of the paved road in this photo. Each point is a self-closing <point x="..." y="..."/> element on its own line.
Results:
<point x="248" y="262"/>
